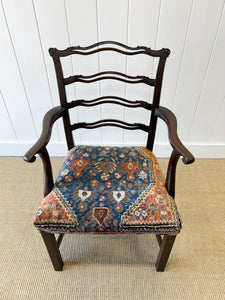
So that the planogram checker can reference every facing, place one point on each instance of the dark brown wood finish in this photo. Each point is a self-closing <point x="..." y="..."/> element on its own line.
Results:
<point x="109" y="75"/>
<point x="111" y="122"/>
<point x="169" y="118"/>
<point x="59" y="239"/>
<point x="159" y="239"/>
<point x="113" y="100"/>
<point x="47" y="167"/>
<point x="49" y="119"/>
<point x="178" y="149"/>
<point x="53" y="250"/>
<point x="164" y="252"/>
<point x="40" y="147"/>
<point x="63" y="97"/>
<point x="156" y="99"/>
<point x="99" y="47"/>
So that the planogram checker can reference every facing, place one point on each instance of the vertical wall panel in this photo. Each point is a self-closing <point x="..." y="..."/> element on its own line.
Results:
<point x="52" y="26"/>
<point x="213" y="91"/>
<point x="82" y="23"/>
<point x="173" y="27"/>
<point x="112" y="22"/>
<point x="12" y="87"/>
<point x="218" y="136"/>
<point x="6" y="127"/>
<point x="201" y="35"/>
<point x="142" y="31"/>
<point x="27" y="46"/>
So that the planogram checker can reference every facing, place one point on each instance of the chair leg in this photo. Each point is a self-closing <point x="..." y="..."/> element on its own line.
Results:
<point x="164" y="252"/>
<point x="53" y="250"/>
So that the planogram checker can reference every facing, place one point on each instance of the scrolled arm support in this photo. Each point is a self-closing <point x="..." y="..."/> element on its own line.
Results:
<point x="49" y="119"/>
<point x="178" y="148"/>
<point x="169" y="118"/>
<point x="47" y="168"/>
<point x="40" y="147"/>
<point x="171" y="173"/>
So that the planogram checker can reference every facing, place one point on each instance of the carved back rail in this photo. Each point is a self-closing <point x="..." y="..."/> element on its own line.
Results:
<point x="122" y="49"/>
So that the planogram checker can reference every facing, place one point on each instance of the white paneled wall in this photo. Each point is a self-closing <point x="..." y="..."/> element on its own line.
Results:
<point x="194" y="82"/>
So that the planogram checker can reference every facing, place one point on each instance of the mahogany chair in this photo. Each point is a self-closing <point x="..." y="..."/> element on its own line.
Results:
<point x="102" y="189"/>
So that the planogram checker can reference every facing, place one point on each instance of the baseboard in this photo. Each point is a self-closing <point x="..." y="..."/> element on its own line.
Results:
<point x="19" y="149"/>
<point x="160" y="150"/>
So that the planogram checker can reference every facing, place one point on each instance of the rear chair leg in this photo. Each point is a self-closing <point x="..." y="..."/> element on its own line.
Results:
<point x="53" y="250"/>
<point x="166" y="245"/>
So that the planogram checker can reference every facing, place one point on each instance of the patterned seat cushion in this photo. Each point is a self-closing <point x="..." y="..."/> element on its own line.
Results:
<point x="109" y="190"/>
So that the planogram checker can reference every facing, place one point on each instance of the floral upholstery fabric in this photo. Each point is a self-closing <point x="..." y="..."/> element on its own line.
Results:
<point x="109" y="190"/>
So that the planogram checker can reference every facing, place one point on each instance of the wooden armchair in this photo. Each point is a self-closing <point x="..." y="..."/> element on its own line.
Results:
<point x="103" y="189"/>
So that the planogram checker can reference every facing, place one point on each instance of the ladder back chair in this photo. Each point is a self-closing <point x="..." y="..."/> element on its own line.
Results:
<point x="108" y="189"/>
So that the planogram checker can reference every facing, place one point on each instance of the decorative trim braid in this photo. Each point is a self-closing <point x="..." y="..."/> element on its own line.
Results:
<point x="55" y="211"/>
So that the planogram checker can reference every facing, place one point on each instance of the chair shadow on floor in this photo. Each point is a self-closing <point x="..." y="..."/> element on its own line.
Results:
<point x="123" y="249"/>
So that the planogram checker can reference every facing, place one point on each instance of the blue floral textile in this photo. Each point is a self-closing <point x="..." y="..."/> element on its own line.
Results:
<point x="109" y="190"/>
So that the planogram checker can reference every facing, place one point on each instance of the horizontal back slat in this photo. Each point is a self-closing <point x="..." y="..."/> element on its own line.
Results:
<point x="109" y="75"/>
<point x="109" y="100"/>
<point x="110" y="122"/>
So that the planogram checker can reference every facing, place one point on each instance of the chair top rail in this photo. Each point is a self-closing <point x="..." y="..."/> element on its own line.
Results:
<point x="97" y="47"/>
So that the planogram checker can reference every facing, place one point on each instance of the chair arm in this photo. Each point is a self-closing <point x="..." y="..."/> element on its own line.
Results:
<point x="49" y="119"/>
<point x="169" y="118"/>
<point x="40" y="146"/>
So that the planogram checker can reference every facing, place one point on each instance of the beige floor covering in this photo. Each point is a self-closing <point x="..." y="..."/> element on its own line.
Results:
<point x="114" y="267"/>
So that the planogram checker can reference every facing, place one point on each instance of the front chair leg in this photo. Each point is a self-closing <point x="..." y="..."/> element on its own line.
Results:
<point x="166" y="245"/>
<point x="53" y="250"/>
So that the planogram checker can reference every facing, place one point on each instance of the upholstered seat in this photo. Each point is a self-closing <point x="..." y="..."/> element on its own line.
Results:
<point x="109" y="190"/>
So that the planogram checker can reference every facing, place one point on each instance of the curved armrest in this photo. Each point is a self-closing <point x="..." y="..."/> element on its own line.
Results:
<point x="169" y="118"/>
<point x="49" y="119"/>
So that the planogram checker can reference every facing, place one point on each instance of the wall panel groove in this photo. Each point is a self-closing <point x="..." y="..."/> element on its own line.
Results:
<point x="99" y="84"/>
<point x="153" y="71"/>
<point x="158" y="137"/>
<point x="19" y="69"/>
<point x="126" y="63"/>
<point x="44" y="62"/>
<point x="217" y="134"/>
<point x="112" y="15"/>
<point x="196" y="56"/>
<point x="54" y="34"/>
<point x="142" y="31"/>
<point x="205" y="81"/>
<point x="6" y="122"/>
<point x="10" y="65"/>
<point x="77" y="134"/>
<point x="183" y="51"/>
<point x="82" y="24"/>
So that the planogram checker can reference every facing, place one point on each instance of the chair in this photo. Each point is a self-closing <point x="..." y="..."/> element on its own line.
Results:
<point x="108" y="189"/>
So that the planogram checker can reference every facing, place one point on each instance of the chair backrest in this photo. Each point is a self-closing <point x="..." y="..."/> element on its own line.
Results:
<point x="156" y="83"/>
